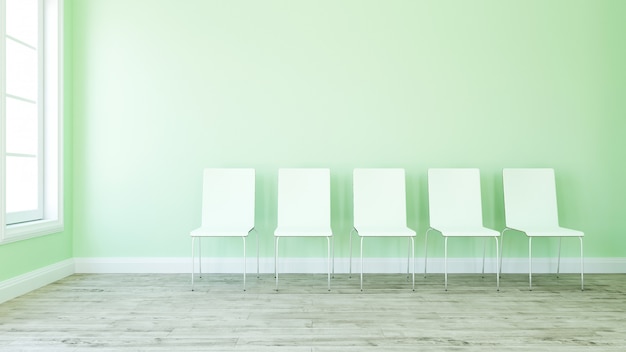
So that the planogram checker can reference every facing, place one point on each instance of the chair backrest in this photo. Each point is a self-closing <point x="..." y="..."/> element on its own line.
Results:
<point x="454" y="198"/>
<point x="304" y="197"/>
<point x="379" y="197"/>
<point x="228" y="197"/>
<point x="530" y="198"/>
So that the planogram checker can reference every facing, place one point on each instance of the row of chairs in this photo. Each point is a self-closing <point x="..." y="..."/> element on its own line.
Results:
<point x="379" y="200"/>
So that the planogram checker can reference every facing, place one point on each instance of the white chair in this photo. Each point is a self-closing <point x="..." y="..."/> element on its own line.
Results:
<point x="380" y="209"/>
<point x="530" y="206"/>
<point x="303" y="208"/>
<point x="227" y="211"/>
<point x="455" y="210"/>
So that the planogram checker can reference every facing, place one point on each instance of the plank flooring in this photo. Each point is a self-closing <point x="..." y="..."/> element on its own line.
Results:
<point x="139" y="312"/>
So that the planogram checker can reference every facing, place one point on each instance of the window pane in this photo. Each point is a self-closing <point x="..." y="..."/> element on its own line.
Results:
<point x="21" y="70"/>
<point x="22" y="17"/>
<point x="21" y="127"/>
<point x="22" y="184"/>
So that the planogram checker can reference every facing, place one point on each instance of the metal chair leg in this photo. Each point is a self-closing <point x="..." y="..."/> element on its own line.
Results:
<point x="333" y="253"/>
<point x="558" y="262"/>
<point x="200" y="257"/>
<point x="501" y="246"/>
<point x="413" y="257"/>
<point x="497" y="268"/>
<point x="193" y="268"/>
<point x="426" y="251"/>
<point x="244" y="262"/>
<point x="350" y="264"/>
<point x="361" y="263"/>
<point x="329" y="264"/>
<point x="530" y="264"/>
<point x="276" y="260"/>
<point x="408" y="260"/>
<point x="484" y="251"/>
<point x="445" y="262"/>
<point x="582" y="266"/>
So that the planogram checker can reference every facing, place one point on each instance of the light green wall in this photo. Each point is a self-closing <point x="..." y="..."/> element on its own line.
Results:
<point x="164" y="88"/>
<point x="25" y="256"/>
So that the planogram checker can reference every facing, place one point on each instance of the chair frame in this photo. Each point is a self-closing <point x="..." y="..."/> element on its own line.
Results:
<point x="355" y="231"/>
<point x="209" y="172"/>
<point x="552" y="185"/>
<point x="467" y="174"/>
<point x="330" y="239"/>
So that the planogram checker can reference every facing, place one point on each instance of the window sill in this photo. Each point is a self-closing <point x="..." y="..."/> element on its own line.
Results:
<point x="24" y="231"/>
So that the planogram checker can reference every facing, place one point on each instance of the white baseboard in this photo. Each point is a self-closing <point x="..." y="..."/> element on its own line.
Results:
<point x="170" y="265"/>
<point x="33" y="280"/>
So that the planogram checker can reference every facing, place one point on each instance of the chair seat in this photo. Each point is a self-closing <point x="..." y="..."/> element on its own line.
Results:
<point x="235" y="231"/>
<point x="399" y="231"/>
<point x="467" y="232"/>
<point x="298" y="231"/>
<point x="551" y="232"/>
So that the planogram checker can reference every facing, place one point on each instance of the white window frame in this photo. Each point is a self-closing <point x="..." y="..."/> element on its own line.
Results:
<point x="52" y="89"/>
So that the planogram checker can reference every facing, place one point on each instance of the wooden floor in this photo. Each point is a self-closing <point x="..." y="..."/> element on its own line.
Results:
<point x="115" y="312"/>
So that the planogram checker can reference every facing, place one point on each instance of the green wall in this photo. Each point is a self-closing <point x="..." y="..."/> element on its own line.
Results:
<point x="164" y="88"/>
<point x="25" y="256"/>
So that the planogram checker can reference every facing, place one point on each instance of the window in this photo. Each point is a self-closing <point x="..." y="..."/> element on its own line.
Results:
<point x="22" y="113"/>
<point x="30" y="118"/>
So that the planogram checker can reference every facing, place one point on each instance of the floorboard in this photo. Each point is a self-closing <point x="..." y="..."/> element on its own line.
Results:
<point x="140" y="312"/>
